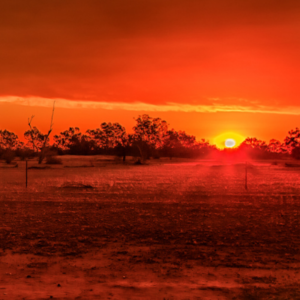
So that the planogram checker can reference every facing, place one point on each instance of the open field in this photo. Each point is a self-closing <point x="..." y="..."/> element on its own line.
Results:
<point x="172" y="229"/>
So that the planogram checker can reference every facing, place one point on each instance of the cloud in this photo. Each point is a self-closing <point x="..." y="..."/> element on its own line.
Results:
<point x="147" y="107"/>
<point x="155" y="51"/>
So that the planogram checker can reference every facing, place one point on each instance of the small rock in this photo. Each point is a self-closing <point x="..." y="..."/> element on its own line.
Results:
<point x="58" y="285"/>
<point x="28" y="276"/>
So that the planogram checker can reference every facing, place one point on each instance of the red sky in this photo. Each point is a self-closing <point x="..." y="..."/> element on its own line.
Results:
<point x="207" y="67"/>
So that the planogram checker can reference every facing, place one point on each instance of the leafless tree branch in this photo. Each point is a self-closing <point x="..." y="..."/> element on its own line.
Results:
<point x="31" y="132"/>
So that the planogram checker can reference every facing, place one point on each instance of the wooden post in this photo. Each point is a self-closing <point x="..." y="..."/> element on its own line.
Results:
<point x="26" y="173"/>
<point x="246" y="185"/>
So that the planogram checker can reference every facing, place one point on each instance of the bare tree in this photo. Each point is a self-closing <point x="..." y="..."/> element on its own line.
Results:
<point x="38" y="140"/>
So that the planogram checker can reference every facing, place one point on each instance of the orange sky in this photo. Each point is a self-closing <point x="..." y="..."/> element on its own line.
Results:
<point x="207" y="67"/>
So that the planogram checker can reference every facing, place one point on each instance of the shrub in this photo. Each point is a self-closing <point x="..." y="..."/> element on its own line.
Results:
<point x="138" y="162"/>
<point x="296" y="153"/>
<point x="24" y="153"/>
<point x="52" y="160"/>
<point x="118" y="158"/>
<point x="8" y="156"/>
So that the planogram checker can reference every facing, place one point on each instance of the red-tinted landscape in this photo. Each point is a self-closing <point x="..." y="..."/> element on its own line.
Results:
<point x="149" y="149"/>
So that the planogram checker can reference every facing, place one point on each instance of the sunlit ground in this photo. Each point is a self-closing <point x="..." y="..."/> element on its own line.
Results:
<point x="160" y="176"/>
<point x="172" y="228"/>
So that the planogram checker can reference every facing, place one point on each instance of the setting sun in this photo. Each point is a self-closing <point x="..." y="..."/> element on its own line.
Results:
<point x="230" y="143"/>
<point x="228" y="140"/>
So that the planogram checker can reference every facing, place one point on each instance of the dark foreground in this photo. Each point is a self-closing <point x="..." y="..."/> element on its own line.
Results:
<point x="201" y="247"/>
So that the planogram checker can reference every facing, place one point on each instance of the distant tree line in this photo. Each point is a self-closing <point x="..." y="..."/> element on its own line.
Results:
<point x="151" y="137"/>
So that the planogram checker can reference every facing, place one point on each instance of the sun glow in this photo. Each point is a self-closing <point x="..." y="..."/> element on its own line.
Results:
<point x="230" y="143"/>
<point x="228" y="140"/>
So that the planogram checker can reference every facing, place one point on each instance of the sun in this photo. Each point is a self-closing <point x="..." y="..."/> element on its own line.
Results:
<point x="228" y="140"/>
<point x="230" y="143"/>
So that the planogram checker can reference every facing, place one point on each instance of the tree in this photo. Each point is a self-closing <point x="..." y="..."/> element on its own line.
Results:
<point x="111" y="136"/>
<point x="149" y="133"/>
<point x="276" y="146"/>
<point x="179" y="143"/>
<point x="97" y="135"/>
<point x="70" y="140"/>
<point x="292" y="141"/>
<point x="9" y="140"/>
<point x="9" y="143"/>
<point x="117" y="137"/>
<point x="254" y="148"/>
<point x="37" y="140"/>
<point x="67" y="139"/>
<point x="203" y="148"/>
<point x="255" y="143"/>
<point x="73" y="141"/>
<point x="172" y="143"/>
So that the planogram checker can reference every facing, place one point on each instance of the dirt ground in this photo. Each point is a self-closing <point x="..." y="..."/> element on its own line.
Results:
<point x="156" y="242"/>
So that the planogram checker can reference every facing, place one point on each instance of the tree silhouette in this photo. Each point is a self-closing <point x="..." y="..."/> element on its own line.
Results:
<point x="98" y="136"/>
<point x="149" y="133"/>
<point x="9" y="143"/>
<point x="73" y="141"/>
<point x="9" y="140"/>
<point x="179" y="143"/>
<point x="292" y="140"/>
<point x="150" y="137"/>
<point x="172" y="143"/>
<point x="117" y="136"/>
<point x="292" y="143"/>
<point x="37" y="140"/>
<point x="67" y="139"/>
<point x="111" y="136"/>
<point x="255" y="143"/>
<point x="276" y="146"/>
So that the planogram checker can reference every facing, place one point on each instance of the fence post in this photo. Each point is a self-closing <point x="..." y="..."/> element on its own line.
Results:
<point x="246" y="184"/>
<point x="26" y="172"/>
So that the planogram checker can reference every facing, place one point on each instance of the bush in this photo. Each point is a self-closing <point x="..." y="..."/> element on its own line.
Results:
<point x="8" y="156"/>
<point x="52" y="160"/>
<point x="296" y="153"/>
<point x="24" y="153"/>
<point x="138" y="162"/>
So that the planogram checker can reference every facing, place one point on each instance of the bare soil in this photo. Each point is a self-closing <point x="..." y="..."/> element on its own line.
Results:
<point x="85" y="244"/>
